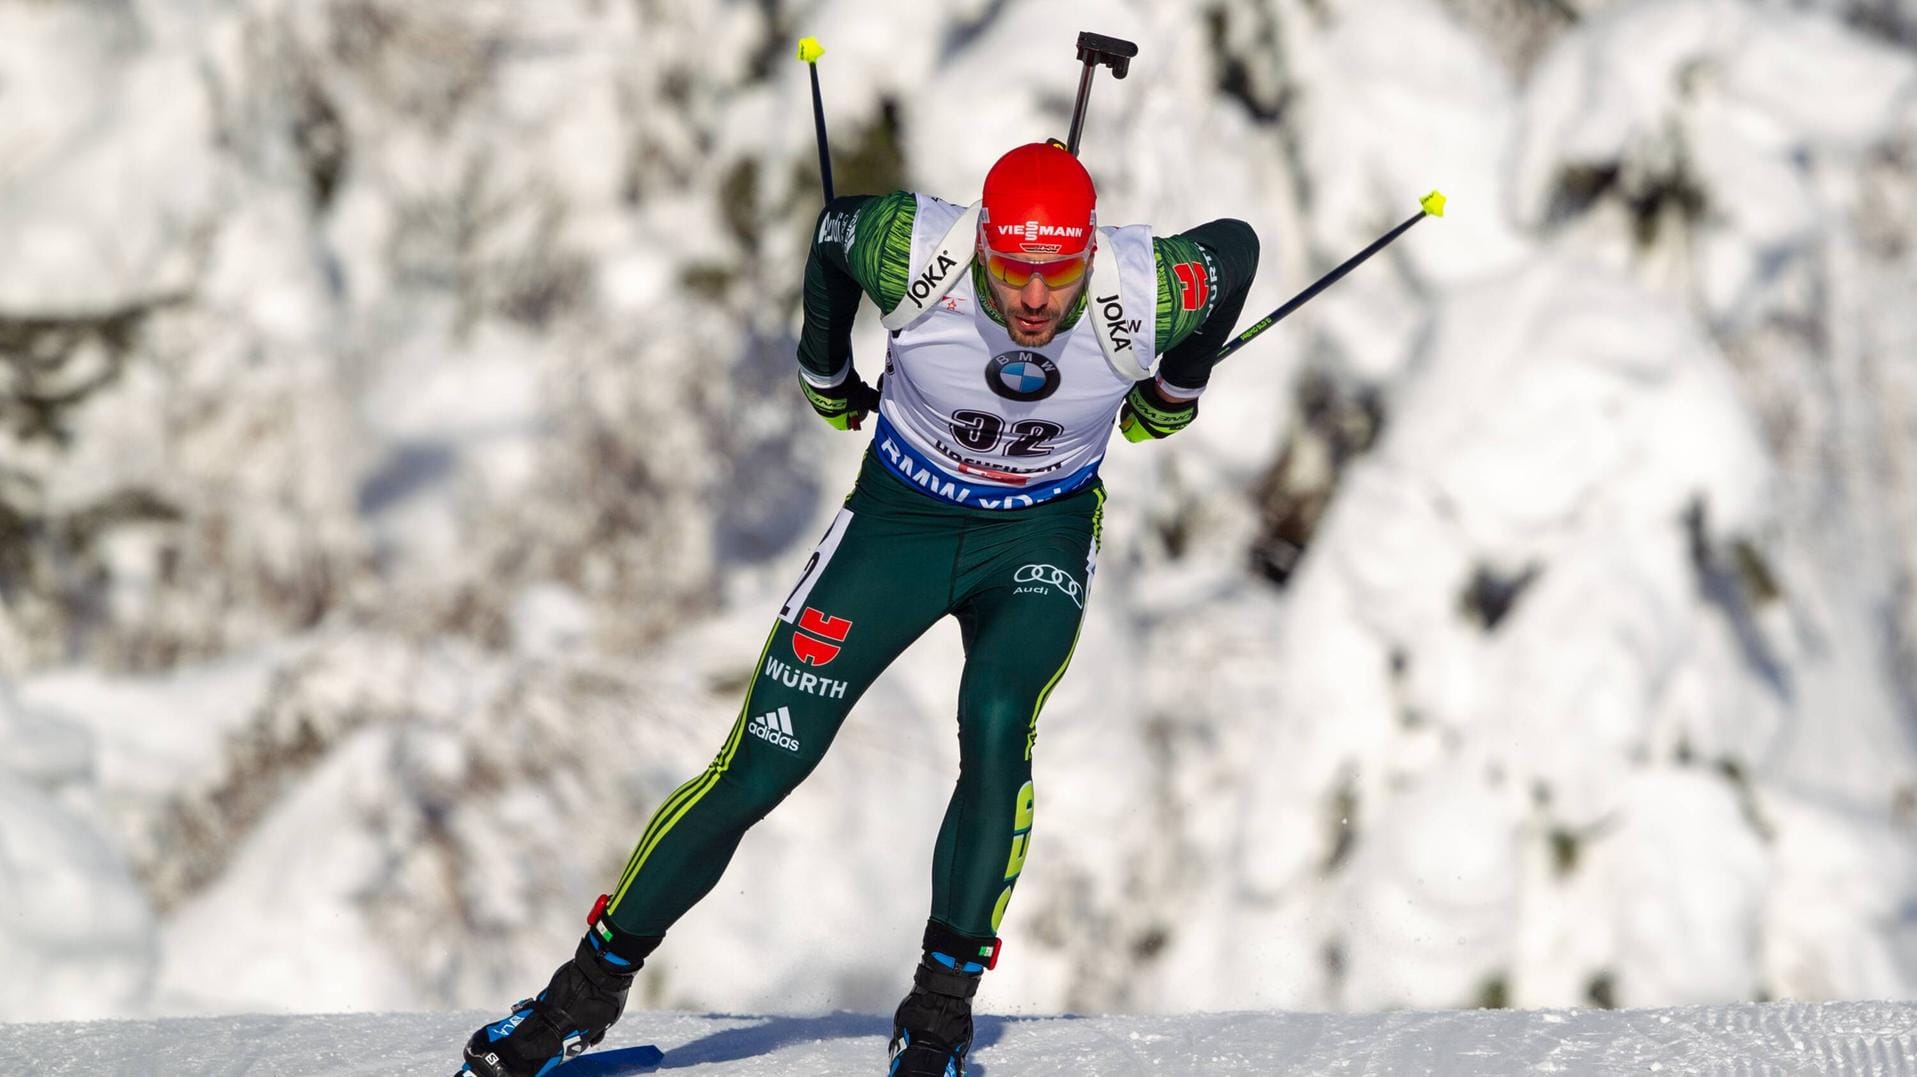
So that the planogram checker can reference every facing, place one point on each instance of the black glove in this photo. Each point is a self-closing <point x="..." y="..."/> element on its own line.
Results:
<point x="1149" y="414"/>
<point x="845" y="404"/>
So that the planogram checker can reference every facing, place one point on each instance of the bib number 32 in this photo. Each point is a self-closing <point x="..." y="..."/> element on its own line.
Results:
<point x="981" y="431"/>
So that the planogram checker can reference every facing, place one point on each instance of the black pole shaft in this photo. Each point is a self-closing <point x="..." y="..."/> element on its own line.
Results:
<point x="1078" y="110"/>
<point x="818" y="124"/>
<point x="1319" y="285"/>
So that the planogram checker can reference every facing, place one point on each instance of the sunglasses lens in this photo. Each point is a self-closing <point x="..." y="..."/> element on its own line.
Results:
<point x="1060" y="273"/>
<point x="1008" y="271"/>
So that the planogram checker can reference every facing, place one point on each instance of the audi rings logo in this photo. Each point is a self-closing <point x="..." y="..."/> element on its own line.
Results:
<point x="1021" y="375"/>
<point x="1052" y="576"/>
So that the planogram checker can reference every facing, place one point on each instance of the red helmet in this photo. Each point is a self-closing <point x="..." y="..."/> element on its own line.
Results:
<point x="1039" y="203"/>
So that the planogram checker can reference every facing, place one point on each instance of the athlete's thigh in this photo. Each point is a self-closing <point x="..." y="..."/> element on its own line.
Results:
<point x="1023" y="607"/>
<point x="863" y="595"/>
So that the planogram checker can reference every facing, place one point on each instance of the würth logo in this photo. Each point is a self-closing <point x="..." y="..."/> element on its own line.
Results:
<point x="775" y="728"/>
<point x="813" y="649"/>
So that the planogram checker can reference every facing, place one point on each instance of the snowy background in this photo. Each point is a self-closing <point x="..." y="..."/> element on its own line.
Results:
<point x="400" y="462"/>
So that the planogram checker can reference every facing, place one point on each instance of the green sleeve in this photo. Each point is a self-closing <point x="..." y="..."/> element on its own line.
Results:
<point x="1203" y="278"/>
<point x="863" y="243"/>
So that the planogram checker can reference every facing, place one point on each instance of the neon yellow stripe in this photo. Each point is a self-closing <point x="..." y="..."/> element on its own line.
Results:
<point x="1031" y="730"/>
<point x="678" y="795"/>
<point x="686" y="796"/>
<point x="694" y="788"/>
<point x="669" y="815"/>
<point x="1046" y="692"/>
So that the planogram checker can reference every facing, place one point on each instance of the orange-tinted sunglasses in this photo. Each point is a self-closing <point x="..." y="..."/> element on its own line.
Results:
<point x="1015" y="272"/>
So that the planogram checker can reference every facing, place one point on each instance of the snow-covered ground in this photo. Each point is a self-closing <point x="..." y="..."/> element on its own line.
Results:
<point x="1771" y="1040"/>
<point x="400" y="461"/>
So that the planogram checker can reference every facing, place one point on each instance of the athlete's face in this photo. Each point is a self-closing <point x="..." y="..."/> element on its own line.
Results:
<point x="1033" y="296"/>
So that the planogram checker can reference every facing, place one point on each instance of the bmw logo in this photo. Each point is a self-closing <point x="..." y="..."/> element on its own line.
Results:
<point x="1022" y="375"/>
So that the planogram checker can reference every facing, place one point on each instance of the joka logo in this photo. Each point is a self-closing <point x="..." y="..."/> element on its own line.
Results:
<point x="1040" y="577"/>
<point x="1122" y="330"/>
<point x="929" y="280"/>
<point x="812" y="650"/>
<point x="775" y="728"/>
<point x="1021" y="375"/>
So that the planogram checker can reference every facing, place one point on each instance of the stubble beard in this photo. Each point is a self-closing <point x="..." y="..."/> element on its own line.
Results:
<point x="1031" y="340"/>
<point x="1054" y="312"/>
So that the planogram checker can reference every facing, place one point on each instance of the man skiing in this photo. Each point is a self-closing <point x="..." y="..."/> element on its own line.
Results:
<point x="1018" y="331"/>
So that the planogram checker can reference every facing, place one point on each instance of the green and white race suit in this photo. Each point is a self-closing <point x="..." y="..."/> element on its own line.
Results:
<point x="980" y="500"/>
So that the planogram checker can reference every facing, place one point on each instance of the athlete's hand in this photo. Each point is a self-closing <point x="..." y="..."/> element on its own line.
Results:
<point x="1149" y="413"/>
<point x="846" y="404"/>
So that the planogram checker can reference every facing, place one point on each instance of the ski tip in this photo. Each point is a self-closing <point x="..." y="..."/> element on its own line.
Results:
<point x="810" y="50"/>
<point x="1433" y="203"/>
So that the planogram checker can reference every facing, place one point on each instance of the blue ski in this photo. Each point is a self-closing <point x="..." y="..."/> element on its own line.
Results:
<point x="614" y="1063"/>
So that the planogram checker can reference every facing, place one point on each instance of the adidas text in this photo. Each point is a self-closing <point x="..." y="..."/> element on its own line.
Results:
<point x="775" y="728"/>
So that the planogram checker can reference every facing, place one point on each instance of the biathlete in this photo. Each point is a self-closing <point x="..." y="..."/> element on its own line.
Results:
<point x="1018" y="330"/>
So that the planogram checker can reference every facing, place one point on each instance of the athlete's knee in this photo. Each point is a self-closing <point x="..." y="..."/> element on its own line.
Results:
<point x="761" y="776"/>
<point x="997" y="726"/>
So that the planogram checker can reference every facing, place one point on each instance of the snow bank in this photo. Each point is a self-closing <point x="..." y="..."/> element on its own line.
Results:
<point x="1828" y="1040"/>
<point x="76" y="931"/>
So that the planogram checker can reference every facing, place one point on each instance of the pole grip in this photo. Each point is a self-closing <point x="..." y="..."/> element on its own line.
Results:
<point x="1093" y="50"/>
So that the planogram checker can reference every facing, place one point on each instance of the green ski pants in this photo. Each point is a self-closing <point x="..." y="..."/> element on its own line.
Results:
<point x="893" y="562"/>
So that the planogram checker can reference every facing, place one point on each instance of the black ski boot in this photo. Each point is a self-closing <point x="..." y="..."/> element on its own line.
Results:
<point x="586" y="995"/>
<point x="932" y="1029"/>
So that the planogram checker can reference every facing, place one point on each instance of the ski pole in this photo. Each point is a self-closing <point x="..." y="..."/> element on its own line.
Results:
<point x="1431" y="205"/>
<point x="1093" y="50"/>
<point x="810" y="50"/>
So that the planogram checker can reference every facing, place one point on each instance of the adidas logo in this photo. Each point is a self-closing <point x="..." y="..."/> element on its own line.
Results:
<point x="775" y="728"/>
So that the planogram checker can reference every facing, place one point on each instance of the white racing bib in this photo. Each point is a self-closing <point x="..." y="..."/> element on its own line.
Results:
<point x="971" y="417"/>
